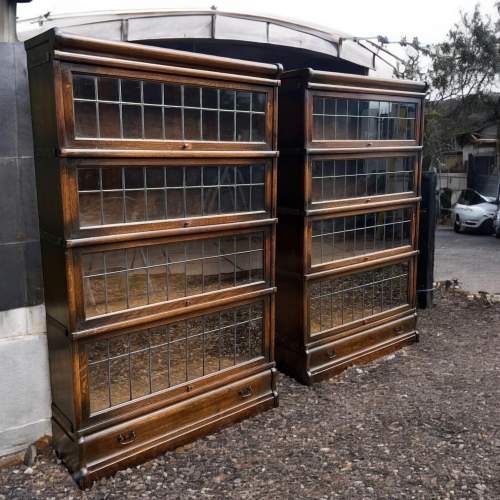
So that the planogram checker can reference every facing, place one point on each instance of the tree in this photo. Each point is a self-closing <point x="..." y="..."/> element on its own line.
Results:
<point x="461" y="76"/>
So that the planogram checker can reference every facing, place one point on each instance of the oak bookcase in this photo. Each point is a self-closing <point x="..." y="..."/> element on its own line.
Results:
<point x="156" y="181"/>
<point x="348" y="198"/>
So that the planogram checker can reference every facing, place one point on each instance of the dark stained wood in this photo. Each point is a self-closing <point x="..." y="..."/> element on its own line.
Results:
<point x="57" y="39"/>
<point x="198" y="358"/>
<point x="69" y="139"/>
<point x="308" y="76"/>
<point x="329" y="314"/>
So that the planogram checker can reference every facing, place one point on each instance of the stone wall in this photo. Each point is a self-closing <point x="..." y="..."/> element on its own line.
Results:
<point x="24" y="374"/>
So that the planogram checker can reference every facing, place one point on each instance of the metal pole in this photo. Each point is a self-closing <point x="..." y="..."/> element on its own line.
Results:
<point x="428" y="216"/>
<point x="8" y="21"/>
<point x="8" y="32"/>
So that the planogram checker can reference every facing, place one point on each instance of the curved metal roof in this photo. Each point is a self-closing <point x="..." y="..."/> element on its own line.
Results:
<point x="141" y="26"/>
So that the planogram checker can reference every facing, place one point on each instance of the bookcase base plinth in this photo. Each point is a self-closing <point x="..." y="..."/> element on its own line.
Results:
<point x="105" y="452"/>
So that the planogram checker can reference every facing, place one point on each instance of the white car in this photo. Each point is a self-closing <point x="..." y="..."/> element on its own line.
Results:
<point x="474" y="211"/>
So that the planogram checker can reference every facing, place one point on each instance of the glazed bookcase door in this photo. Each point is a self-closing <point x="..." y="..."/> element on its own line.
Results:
<point x="340" y="303"/>
<point x="171" y="359"/>
<point x="362" y="120"/>
<point x="116" y="282"/>
<point x="112" y="108"/>
<point x="355" y="237"/>
<point x="134" y="196"/>
<point x="343" y="181"/>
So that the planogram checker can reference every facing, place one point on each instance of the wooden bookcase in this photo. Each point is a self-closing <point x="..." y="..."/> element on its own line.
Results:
<point x="156" y="180"/>
<point x="348" y="198"/>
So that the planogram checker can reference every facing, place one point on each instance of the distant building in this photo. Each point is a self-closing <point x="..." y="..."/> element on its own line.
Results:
<point x="471" y="165"/>
<point x="479" y="151"/>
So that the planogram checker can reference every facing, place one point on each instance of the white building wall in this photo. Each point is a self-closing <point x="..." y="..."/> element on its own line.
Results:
<point x="24" y="378"/>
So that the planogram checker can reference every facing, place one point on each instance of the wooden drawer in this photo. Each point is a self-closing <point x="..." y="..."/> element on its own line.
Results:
<point x="352" y="347"/>
<point x="170" y="426"/>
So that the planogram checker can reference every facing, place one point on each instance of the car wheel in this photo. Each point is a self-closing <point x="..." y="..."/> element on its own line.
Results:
<point x="457" y="227"/>
<point x="486" y="227"/>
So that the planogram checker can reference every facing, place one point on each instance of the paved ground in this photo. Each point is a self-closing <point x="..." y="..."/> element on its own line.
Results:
<point x="423" y="423"/>
<point x="473" y="259"/>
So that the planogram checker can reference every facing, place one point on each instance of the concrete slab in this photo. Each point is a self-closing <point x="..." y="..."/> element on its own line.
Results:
<point x="473" y="259"/>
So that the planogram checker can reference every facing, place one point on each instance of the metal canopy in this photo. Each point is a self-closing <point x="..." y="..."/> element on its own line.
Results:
<point x="154" y="26"/>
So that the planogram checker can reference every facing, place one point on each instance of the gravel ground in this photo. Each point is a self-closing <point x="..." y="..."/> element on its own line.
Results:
<point x="424" y="423"/>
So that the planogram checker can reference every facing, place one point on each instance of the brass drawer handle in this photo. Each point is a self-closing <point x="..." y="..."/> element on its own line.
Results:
<point x="246" y="392"/>
<point x="128" y="438"/>
<point x="331" y="354"/>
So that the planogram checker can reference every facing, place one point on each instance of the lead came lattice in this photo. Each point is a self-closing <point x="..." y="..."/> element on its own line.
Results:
<point x="338" y="301"/>
<point x="129" y="366"/>
<point x="343" y="179"/>
<point x="336" y="118"/>
<point x="122" y="279"/>
<point x="122" y="108"/>
<point x="119" y="195"/>
<point x="348" y="236"/>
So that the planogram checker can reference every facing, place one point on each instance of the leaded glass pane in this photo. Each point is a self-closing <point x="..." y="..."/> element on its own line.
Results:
<point x="343" y="179"/>
<point x="336" y="118"/>
<point x="123" y="108"/>
<point x="348" y="236"/>
<point x="133" y="365"/>
<point x="118" y="280"/>
<point x="120" y="195"/>
<point x="342" y="300"/>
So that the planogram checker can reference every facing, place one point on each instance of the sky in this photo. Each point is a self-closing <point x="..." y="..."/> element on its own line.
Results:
<point x="429" y="20"/>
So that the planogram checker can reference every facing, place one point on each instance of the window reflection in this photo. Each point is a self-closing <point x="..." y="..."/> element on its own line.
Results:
<point x="112" y="108"/>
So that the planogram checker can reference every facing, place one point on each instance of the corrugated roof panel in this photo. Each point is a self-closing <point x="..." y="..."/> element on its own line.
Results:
<point x="289" y="37"/>
<point x="233" y="28"/>
<point x="178" y="26"/>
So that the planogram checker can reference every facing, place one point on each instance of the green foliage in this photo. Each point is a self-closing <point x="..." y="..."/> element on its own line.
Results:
<point x="460" y="72"/>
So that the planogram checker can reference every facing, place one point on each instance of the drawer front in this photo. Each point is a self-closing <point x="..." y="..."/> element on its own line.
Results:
<point x="351" y="346"/>
<point x="177" y="419"/>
